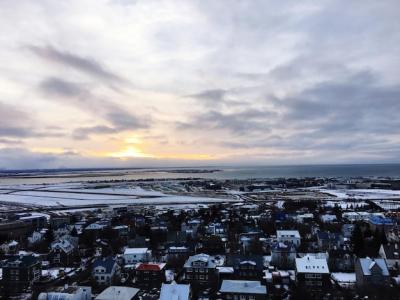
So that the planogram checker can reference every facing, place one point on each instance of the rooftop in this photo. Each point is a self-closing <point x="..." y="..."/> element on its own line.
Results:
<point x="243" y="287"/>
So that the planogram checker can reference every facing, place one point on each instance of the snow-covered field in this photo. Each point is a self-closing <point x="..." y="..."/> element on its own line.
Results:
<point x="363" y="194"/>
<point x="73" y="196"/>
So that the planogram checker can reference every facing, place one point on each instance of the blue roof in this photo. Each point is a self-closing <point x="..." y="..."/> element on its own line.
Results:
<point x="367" y="264"/>
<point x="376" y="220"/>
<point x="107" y="263"/>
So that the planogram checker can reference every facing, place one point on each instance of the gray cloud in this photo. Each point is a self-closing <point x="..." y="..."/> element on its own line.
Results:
<point x="84" y="132"/>
<point x="241" y="122"/>
<point x="58" y="87"/>
<point x="83" y="64"/>
<point x="78" y="95"/>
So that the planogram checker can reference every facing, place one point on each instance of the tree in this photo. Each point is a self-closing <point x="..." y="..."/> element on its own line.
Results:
<point x="74" y="232"/>
<point x="358" y="241"/>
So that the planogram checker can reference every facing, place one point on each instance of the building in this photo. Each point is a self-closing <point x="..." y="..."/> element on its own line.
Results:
<point x="312" y="272"/>
<point x="62" y="253"/>
<point x="381" y="223"/>
<point x="289" y="236"/>
<point x="283" y="255"/>
<point x="150" y="274"/>
<point x="246" y="267"/>
<point x="175" y="291"/>
<point x="328" y="218"/>
<point x="371" y="272"/>
<point x="68" y="293"/>
<point x="391" y="253"/>
<point x="135" y="255"/>
<point x="118" y="292"/>
<point x="243" y="290"/>
<point x="19" y="272"/>
<point x="104" y="270"/>
<point x="201" y="269"/>
<point x="329" y="240"/>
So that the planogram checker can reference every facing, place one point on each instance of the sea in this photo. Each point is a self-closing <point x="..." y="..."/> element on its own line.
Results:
<point x="8" y="177"/>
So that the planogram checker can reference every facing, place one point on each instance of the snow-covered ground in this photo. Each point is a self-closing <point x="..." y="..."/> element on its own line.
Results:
<point x="363" y="193"/>
<point x="49" y="196"/>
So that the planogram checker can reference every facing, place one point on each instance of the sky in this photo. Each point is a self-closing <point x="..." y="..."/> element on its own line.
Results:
<point x="136" y="83"/>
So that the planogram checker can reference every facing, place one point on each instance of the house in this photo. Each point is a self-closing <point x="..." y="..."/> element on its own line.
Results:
<point x="121" y="230"/>
<point x="312" y="272"/>
<point x="135" y="255"/>
<point x="283" y="255"/>
<point x="104" y="270"/>
<point x="19" y="272"/>
<point x="150" y="274"/>
<point x="371" y="272"/>
<point x="303" y="218"/>
<point x="328" y="218"/>
<point x="175" y="291"/>
<point x="381" y="223"/>
<point x="62" y="253"/>
<point x="391" y="253"/>
<point x="68" y="293"/>
<point x="289" y="236"/>
<point x="246" y="267"/>
<point x="347" y="230"/>
<point x="201" y="269"/>
<point x="32" y="219"/>
<point x="218" y="229"/>
<point x="36" y="237"/>
<point x="118" y="292"/>
<point x="328" y="240"/>
<point x="10" y="247"/>
<point x="243" y="289"/>
<point x="341" y="259"/>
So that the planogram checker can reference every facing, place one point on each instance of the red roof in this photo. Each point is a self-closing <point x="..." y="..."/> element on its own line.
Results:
<point x="150" y="267"/>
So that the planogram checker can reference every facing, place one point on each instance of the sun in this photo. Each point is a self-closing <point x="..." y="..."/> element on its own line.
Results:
<point x="129" y="152"/>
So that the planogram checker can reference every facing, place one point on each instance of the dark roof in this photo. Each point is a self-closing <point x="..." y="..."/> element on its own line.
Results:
<point x="236" y="259"/>
<point x="23" y="261"/>
<point x="283" y="246"/>
<point x="108" y="263"/>
<point x="325" y="235"/>
<point x="392" y="251"/>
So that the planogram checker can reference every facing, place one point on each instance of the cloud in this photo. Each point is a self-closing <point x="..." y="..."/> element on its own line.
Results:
<point x="54" y="86"/>
<point x="78" y="95"/>
<point x="283" y="81"/>
<point x="6" y="141"/>
<point x="82" y="133"/>
<point x="213" y="97"/>
<point x="83" y="64"/>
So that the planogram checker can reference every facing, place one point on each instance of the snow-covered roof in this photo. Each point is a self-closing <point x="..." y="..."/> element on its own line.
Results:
<point x="243" y="287"/>
<point x="205" y="258"/>
<point x="118" y="292"/>
<point x="175" y="291"/>
<point x="135" y="251"/>
<point x="287" y="233"/>
<point x="311" y="264"/>
<point x="367" y="264"/>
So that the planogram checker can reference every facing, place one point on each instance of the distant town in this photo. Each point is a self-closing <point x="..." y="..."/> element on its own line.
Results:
<point x="201" y="239"/>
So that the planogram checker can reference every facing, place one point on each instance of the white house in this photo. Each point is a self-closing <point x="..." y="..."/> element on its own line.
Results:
<point x="135" y="255"/>
<point x="104" y="269"/>
<point x="35" y="237"/>
<point x="289" y="236"/>
<point x="69" y="293"/>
